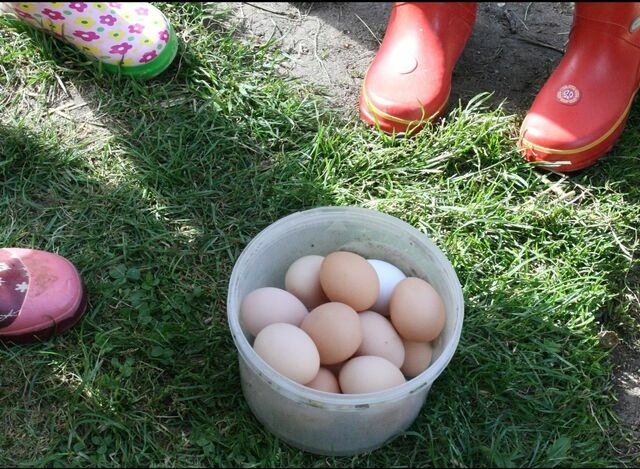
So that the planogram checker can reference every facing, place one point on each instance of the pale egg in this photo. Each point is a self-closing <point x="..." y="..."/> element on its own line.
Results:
<point x="380" y="338"/>
<point x="302" y="279"/>
<point x="388" y="276"/>
<point x="369" y="373"/>
<point x="336" y="331"/>
<point x="289" y="351"/>
<point x="268" y="305"/>
<point x="416" y="310"/>
<point x="348" y="278"/>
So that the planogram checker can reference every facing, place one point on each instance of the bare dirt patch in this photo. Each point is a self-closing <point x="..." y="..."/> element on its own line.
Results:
<point x="513" y="49"/>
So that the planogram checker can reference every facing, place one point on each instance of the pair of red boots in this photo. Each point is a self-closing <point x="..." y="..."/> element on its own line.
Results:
<point x="576" y="117"/>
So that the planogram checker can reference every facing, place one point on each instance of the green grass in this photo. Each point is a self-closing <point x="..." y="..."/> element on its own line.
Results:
<point x="153" y="189"/>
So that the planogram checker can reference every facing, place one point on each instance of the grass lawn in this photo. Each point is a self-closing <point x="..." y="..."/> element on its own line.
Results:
<point x="153" y="189"/>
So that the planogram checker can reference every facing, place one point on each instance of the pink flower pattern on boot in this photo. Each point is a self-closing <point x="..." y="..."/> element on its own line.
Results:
<point x="24" y="14"/>
<point x="120" y="48"/>
<point x="53" y="14"/>
<point x="108" y="20"/>
<point x="148" y="57"/>
<point x="136" y="28"/>
<point x="78" y="6"/>
<point x="86" y="35"/>
<point x="127" y="34"/>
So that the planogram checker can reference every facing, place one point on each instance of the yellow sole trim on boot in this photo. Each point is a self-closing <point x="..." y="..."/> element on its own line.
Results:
<point x="379" y="113"/>
<point x="529" y="145"/>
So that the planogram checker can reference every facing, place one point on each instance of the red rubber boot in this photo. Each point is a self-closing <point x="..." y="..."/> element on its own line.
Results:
<point x="581" y="110"/>
<point x="409" y="80"/>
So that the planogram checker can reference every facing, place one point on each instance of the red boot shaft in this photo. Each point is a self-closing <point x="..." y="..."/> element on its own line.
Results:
<point x="409" y="80"/>
<point x="581" y="110"/>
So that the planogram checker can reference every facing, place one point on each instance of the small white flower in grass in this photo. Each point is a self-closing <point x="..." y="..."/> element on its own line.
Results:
<point x="22" y="287"/>
<point x="4" y="266"/>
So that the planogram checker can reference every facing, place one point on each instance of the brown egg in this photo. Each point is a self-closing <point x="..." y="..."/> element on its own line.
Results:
<point x="336" y="331"/>
<point x="302" y="279"/>
<point x="348" y="278"/>
<point x="416" y="310"/>
<point x="417" y="357"/>
<point x="325" y="381"/>
<point x="369" y="374"/>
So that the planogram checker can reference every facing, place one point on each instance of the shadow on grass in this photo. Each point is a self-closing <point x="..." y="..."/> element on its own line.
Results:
<point x="153" y="189"/>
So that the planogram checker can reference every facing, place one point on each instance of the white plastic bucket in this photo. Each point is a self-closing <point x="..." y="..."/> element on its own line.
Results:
<point x="321" y="422"/>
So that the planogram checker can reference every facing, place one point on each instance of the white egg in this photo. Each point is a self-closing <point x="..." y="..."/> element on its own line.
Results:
<point x="389" y="276"/>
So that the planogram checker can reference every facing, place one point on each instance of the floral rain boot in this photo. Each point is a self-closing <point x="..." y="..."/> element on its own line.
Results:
<point x="130" y="38"/>
<point x="41" y="295"/>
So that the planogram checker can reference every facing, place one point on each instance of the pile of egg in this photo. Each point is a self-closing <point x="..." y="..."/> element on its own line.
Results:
<point x="345" y="324"/>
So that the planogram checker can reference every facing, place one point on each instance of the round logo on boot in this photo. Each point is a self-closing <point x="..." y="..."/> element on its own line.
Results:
<point x="404" y="64"/>
<point x="568" y="94"/>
